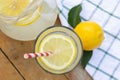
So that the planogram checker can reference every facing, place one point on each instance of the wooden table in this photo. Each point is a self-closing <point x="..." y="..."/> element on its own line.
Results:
<point x="14" y="67"/>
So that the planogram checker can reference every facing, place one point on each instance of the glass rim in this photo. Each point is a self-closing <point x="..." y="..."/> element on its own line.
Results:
<point x="79" y="61"/>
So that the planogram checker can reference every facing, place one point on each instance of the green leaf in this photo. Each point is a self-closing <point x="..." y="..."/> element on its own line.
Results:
<point x="74" y="15"/>
<point x="86" y="57"/>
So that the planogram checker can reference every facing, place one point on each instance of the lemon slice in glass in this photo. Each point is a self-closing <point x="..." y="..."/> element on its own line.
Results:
<point x="63" y="43"/>
<point x="63" y="49"/>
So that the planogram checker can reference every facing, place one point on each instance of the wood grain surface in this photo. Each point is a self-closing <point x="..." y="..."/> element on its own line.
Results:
<point x="14" y="67"/>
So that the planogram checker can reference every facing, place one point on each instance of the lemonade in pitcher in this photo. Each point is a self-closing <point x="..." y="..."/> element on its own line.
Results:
<point x="25" y="19"/>
<point x="65" y="46"/>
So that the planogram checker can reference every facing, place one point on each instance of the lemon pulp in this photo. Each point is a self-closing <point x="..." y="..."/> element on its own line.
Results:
<point x="63" y="49"/>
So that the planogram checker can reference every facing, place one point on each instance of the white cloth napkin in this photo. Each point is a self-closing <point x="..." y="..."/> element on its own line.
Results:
<point x="105" y="62"/>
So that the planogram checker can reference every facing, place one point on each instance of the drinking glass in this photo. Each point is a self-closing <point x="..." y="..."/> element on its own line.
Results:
<point x="67" y="33"/>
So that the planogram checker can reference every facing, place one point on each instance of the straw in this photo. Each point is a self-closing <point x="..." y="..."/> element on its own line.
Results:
<point x="34" y="55"/>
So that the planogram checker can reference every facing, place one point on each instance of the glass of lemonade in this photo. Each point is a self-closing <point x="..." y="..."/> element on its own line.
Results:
<point x="65" y="46"/>
<point x="25" y="19"/>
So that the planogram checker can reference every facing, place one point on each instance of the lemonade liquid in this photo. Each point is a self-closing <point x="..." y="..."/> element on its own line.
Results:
<point x="65" y="46"/>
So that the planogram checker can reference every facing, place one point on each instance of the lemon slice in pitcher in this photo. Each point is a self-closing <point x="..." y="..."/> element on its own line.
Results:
<point x="29" y="19"/>
<point x="13" y="7"/>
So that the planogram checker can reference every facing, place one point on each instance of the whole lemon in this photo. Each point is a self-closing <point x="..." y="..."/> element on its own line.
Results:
<point x="91" y="34"/>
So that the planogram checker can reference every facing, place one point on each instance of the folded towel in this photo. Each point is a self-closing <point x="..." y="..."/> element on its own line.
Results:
<point x="105" y="62"/>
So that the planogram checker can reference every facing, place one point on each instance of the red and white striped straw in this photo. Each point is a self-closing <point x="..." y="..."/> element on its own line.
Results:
<point x="34" y="55"/>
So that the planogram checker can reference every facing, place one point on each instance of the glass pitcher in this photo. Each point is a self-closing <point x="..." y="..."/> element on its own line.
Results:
<point x="25" y="19"/>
